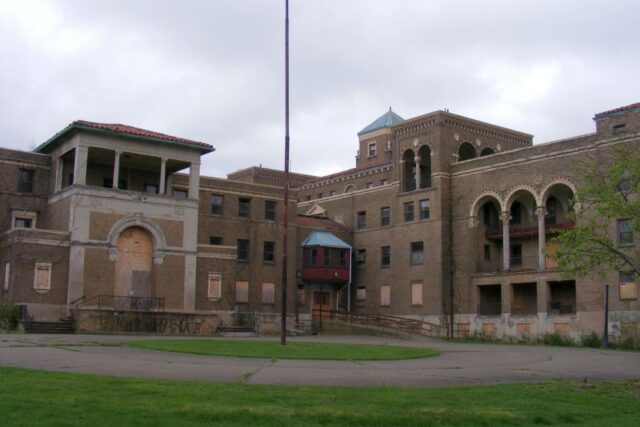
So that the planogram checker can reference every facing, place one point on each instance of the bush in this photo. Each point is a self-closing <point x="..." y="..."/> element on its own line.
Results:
<point x="591" y="340"/>
<point x="557" y="340"/>
<point x="9" y="315"/>
<point x="628" y="343"/>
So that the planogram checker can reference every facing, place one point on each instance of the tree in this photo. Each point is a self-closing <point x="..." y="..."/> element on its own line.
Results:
<point x="606" y="215"/>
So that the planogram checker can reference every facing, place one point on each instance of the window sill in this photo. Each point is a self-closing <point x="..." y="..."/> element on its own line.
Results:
<point x="214" y="299"/>
<point x="41" y="291"/>
<point x="269" y="262"/>
<point x="242" y="260"/>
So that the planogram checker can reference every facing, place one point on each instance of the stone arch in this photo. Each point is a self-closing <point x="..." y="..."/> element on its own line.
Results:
<point x="555" y="183"/>
<point x="349" y="188"/>
<point x="408" y="170"/>
<point x="562" y="191"/>
<point x="424" y="153"/>
<point x="466" y="151"/>
<point x="480" y="201"/>
<point x="487" y="151"/>
<point x="157" y="235"/>
<point x="516" y="191"/>
<point x="134" y="263"/>
<point x="525" y="196"/>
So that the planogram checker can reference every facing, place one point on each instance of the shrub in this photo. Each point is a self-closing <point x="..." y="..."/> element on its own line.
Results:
<point x="557" y="340"/>
<point x="590" y="340"/>
<point x="628" y="343"/>
<point x="9" y="314"/>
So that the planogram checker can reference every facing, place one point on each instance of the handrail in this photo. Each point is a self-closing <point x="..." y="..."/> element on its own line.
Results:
<point x="397" y="323"/>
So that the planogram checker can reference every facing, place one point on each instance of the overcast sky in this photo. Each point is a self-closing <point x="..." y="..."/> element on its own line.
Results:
<point x="213" y="70"/>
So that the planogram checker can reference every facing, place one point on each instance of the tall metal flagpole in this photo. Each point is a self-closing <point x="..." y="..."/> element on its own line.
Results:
<point x="283" y="320"/>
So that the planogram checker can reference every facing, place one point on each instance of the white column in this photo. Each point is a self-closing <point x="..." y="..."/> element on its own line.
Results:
<point x="506" y="246"/>
<point x="163" y="172"/>
<point x="194" y="180"/>
<point x="59" y="172"/>
<point x="80" y="165"/>
<point x="541" y="212"/>
<point x="116" y="169"/>
<point x="418" y="172"/>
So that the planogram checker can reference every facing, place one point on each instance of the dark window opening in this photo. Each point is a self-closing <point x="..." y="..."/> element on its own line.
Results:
<point x="417" y="253"/>
<point x="215" y="240"/>
<point x="516" y="255"/>
<point x="385" y="216"/>
<point x="490" y="300"/>
<point x="525" y="299"/>
<point x="217" y="204"/>
<point x="625" y="232"/>
<point x="151" y="188"/>
<point x="314" y="257"/>
<point x="516" y="214"/>
<point x="244" y="206"/>
<point x="619" y="128"/>
<point x="562" y="297"/>
<point x="270" y="210"/>
<point x="343" y="258"/>
<point x="25" y="180"/>
<point x="179" y="193"/>
<point x="552" y="211"/>
<point x="362" y="219"/>
<point x="243" y="249"/>
<point x="487" y="252"/>
<point x="361" y="257"/>
<point x="23" y="223"/>
<point x="385" y="256"/>
<point x="408" y="212"/>
<point x="268" y="253"/>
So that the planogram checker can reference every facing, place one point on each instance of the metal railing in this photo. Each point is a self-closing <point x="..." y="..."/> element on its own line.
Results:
<point x="123" y="303"/>
<point x="393" y="324"/>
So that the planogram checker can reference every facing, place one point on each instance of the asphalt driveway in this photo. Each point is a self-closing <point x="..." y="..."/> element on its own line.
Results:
<point x="459" y="363"/>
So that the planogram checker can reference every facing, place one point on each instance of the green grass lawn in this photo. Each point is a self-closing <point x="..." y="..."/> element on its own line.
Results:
<point x="293" y="350"/>
<point x="42" y="398"/>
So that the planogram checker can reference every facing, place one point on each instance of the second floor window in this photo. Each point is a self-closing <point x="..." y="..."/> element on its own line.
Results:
<point x="385" y="216"/>
<point x="425" y="206"/>
<point x="244" y="207"/>
<point x="243" y="249"/>
<point x="361" y="256"/>
<point x="625" y="232"/>
<point x="25" y="180"/>
<point x="362" y="219"/>
<point x="373" y="149"/>
<point x="385" y="256"/>
<point x="270" y="210"/>
<point x="269" y="252"/>
<point x="417" y="253"/>
<point x="217" y="204"/>
<point x="408" y="212"/>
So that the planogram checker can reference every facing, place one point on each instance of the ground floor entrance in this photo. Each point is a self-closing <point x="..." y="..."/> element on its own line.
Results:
<point x="321" y="304"/>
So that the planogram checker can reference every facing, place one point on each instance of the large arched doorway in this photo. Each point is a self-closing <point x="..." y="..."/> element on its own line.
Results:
<point x="133" y="264"/>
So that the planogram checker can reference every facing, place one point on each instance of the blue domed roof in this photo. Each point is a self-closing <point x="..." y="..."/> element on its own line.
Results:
<point x="387" y="119"/>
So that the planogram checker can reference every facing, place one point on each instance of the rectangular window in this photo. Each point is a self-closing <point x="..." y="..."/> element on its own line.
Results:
<point x="425" y="205"/>
<point x="242" y="292"/>
<point x="314" y="257"/>
<point x="179" y="193"/>
<point x="214" y="290"/>
<point x="408" y="212"/>
<point x="373" y="149"/>
<point x="268" y="254"/>
<point x="627" y="276"/>
<point x="417" y="253"/>
<point x="42" y="276"/>
<point x="217" y="204"/>
<point x="327" y="256"/>
<point x="332" y="193"/>
<point x="416" y="293"/>
<point x="385" y="256"/>
<point x="619" y="128"/>
<point x="23" y="223"/>
<point x="268" y="293"/>
<point x="625" y="232"/>
<point x="369" y="184"/>
<point x="270" y="210"/>
<point x="215" y="240"/>
<point x="385" y="295"/>
<point x="320" y="195"/>
<point x="516" y="255"/>
<point x="25" y="180"/>
<point x="384" y="182"/>
<point x="487" y="252"/>
<point x="151" y="188"/>
<point x="362" y="219"/>
<point x="385" y="216"/>
<point x="361" y="258"/>
<point x="244" y="207"/>
<point x="361" y="293"/>
<point x="343" y="258"/>
<point x="243" y="250"/>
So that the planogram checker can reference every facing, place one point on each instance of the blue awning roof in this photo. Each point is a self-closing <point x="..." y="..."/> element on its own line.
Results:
<point x="324" y="239"/>
<point x="387" y="119"/>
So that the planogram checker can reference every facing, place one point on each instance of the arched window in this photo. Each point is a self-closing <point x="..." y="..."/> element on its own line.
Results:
<point x="486" y="151"/>
<point x="409" y="171"/>
<point x="466" y="152"/>
<point x="425" y="166"/>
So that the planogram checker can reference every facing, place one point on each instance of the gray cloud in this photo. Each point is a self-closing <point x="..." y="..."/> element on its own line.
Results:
<point x="213" y="71"/>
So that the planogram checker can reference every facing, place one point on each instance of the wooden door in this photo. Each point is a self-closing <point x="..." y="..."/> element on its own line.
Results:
<point x="320" y="302"/>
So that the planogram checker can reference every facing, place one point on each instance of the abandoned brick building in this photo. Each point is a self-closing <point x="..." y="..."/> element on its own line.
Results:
<point x="440" y="212"/>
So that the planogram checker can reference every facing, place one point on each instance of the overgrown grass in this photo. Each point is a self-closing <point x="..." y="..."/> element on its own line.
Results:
<point x="31" y="398"/>
<point x="293" y="350"/>
<point x="9" y="314"/>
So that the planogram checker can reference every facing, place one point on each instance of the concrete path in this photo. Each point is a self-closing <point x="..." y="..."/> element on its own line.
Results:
<point x="459" y="364"/>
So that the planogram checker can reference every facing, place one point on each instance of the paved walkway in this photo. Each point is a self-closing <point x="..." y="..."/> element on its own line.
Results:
<point x="459" y="364"/>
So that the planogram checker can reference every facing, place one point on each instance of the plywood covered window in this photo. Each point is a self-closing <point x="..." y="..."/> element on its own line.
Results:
<point x="42" y="276"/>
<point x="416" y="293"/>
<point x="361" y="293"/>
<point x="214" y="288"/>
<point x="242" y="292"/>
<point x="268" y="293"/>
<point x="385" y="295"/>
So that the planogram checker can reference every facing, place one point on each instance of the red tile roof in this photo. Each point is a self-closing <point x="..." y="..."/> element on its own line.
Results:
<point x="130" y="130"/>
<point x="620" y="109"/>
<point x="319" y="222"/>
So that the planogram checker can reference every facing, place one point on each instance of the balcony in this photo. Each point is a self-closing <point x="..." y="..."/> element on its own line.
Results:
<point x="495" y="233"/>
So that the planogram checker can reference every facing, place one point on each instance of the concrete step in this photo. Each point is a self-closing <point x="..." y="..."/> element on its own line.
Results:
<point x="64" y="327"/>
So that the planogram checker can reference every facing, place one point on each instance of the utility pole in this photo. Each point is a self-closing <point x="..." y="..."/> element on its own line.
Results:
<point x="283" y="320"/>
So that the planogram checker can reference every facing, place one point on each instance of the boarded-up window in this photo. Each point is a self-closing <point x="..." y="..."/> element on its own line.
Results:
<point x="302" y="299"/>
<point x="242" y="292"/>
<point x="215" y="286"/>
<point x="42" y="276"/>
<point x="416" y="293"/>
<point x="385" y="295"/>
<point x="268" y="293"/>
<point x="361" y="293"/>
